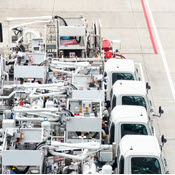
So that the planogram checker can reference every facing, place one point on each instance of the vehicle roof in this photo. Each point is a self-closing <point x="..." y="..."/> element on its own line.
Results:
<point x="120" y="65"/>
<point x="128" y="87"/>
<point x="125" y="113"/>
<point x="139" y="145"/>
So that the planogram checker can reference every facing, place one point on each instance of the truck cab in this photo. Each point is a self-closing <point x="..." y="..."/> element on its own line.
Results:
<point x="118" y="69"/>
<point x="140" y="155"/>
<point x="128" y="120"/>
<point x="133" y="93"/>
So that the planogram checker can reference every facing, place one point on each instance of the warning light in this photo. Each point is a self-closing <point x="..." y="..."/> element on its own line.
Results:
<point x="21" y="103"/>
<point x="86" y="109"/>
<point x="80" y="109"/>
<point x="104" y="136"/>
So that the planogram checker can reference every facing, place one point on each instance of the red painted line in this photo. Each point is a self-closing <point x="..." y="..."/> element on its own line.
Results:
<point x="149" y="28"/>
<point x="150" y="34"/>
<point x="138" y="53"/>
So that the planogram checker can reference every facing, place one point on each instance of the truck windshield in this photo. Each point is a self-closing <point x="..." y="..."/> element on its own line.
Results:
<point x="133" y="129"/>
<point x="134" y="100"/>
<point x="121" y="76"/>
<point x="145" y="165"/>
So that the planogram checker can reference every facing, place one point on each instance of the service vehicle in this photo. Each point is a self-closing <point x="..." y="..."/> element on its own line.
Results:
<point x="128" y="120"/>
<point x="118" y="69"/>
<point x="56" y="76"/>
<point x="135" y="93"/>
<point x="140" y="155"/>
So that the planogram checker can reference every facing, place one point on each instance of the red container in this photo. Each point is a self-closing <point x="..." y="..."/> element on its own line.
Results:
<point x="106" y="45"/>
<point x="108" y="55"/>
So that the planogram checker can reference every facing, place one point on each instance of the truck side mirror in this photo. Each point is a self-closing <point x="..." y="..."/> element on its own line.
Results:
<point x="160" y="111"/>
<point x="1" y="33"/>
<point x="148" y="87"/>
<point x="163" y="140"/>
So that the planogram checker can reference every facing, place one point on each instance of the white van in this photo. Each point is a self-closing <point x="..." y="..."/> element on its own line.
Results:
<point x="132" y="93"/>
<point x="140" y="155"/>
<point x="118" y="69"/>
<point x="128" y="120"/>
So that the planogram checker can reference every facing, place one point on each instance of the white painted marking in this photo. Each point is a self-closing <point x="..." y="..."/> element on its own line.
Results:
<point x="161" y="50"/>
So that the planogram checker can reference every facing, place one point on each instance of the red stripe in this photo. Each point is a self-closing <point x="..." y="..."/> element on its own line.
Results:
<point x="150" y="34"/>
<point x="138" y="53"/>
<point x="149" y="28"/>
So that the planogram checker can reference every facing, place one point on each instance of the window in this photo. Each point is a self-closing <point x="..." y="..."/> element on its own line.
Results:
<point x="112" y="130"/>
<point x="114" y="102"/>
<point x="118" y="153"/>
<point x="111" y="93"/>
<point x="121" y="165"/>
<point x="121" y="76"/>
<point x="134" y="100"/>
<point x="105" y="74"/>
<point x="133" y="129"/>
<point x="145" y="165"/>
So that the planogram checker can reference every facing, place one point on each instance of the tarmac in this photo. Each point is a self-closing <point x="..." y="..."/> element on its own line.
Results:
<point x="146" y="29"/>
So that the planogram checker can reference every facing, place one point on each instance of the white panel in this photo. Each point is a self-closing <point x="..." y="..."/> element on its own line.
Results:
<point x="31" y="135"/>
<point x="29" y="71"/>
<point x="74" y="21"/>
<point x="88" y="94"/>
<point x="71" y="31"/>
<point x="21" y="157"/>
<point x="36" y="58"/>
<point x="8" y="123"/>
<point x="84" y="124"/>
<point x="71" y="47"/>
<point x="81" y="81"/>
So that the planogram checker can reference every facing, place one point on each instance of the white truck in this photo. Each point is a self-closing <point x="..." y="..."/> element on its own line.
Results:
<point x="125" y="92"/>
<point x="128" y="120"/>
<point x="140" y="155"/>
<point x="118" y="69"/>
